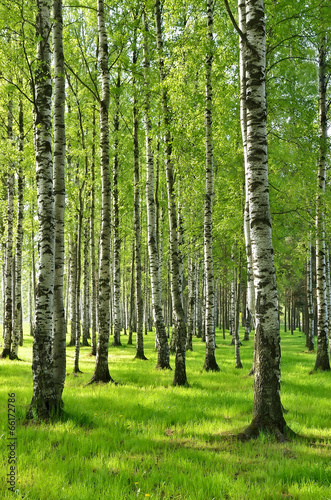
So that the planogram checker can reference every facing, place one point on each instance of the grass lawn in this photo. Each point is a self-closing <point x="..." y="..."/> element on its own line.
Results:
<point x="144" y="438"/>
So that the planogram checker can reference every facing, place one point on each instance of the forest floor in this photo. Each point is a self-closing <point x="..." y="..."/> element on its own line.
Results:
<point x="144" y="438"/>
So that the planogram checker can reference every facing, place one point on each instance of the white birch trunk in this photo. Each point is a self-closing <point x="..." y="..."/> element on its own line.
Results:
<point x="59" y="327"/>
<point x="101" y="372"/>
<point x="210" y="359"/>
<point x="322" y="354"/>
<point x="160" y="331"/>
<point x="311" y="321"/>
<point x="179" y="317"/>
<point x="267" y="408"/>
<point x="8" y="282"/>
<point x="44" y="401"/>
<point x="18" y="321"/>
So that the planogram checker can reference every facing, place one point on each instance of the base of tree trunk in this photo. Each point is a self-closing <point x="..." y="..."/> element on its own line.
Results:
<point x="180" y="382"/>
<point x="211" y="364"/>
<point x="76" y="370"/>
<point x="85" y="344"/>
<point x="116" y="343"/>
<point x="322" y="364"/>
<point x="140" y="355"/>
<point x="320" y="369"/>
<point x="281" y="432"/>
<point x="129" y="341"/>
<point x="71" y="343"/>
<point x="104" y="378"/>
<point x="239" y="365"/>
<point x="5" y="353"/>
<point x="252" y="372"/>
<point x="44" y="409"/>
<point x="163" y="366"/>
<point x="93" y="352"/>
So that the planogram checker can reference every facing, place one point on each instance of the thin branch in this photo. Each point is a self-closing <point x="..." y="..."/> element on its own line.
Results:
<point x="17" y="87"/>
<point x="82" y="82"/>
<point x="234" y="22"/>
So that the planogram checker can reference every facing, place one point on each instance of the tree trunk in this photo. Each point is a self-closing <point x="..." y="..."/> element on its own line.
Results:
<point x="44" y="401"/>
<point x="101" y="372"/>
<point x="250" y="299"/>
<point x="322" y="354"/>
<point x="210" y="360"/>
<point x="59" y="327"/>
<point x="116" y="238"/>
<point x="179" y="317"/>
<point x="92" y="249"/>
<point x="18" y="324"/>
<point x="136" y="261"/>
<point x="310" y="337"/>
<point x="267" y="408"/>
<point x="8" y="288"/>
<point x="160" y="331"/>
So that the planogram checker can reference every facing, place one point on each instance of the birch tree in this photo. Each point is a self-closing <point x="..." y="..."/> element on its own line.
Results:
<point x="178" y="311"/>
<point x="267" y="408"/>
<point x="44" y="402"/>
<point x="59" y="327"/>
<point x="136" y="264"/>
<point x="8" y="281"/>
<point x="210" y="359"/>
<point x="322" y="354"/>
<point x="101" y="372"/>
<point x="160" y="331"/>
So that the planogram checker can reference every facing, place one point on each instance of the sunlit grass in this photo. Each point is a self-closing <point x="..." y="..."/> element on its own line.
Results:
<point x="144" y="438"/>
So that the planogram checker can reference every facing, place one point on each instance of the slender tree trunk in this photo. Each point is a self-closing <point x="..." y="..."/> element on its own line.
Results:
<point x="179" y="317"/>
<point x="44" y="401"/>
<point x="73" y="287"/>
<point x="250" y="300"/>
<point x="137" y="226"/>
<point x="101" y="372"/>
<point x="92" y="249"/>
<point x="59" y="326"/>
<point x="191" y="304"/>
<point x="267" y="407"/>
<point x="18" y="324"/>
<point x="160" y="331"/>
<point x="86" y="287"/>
<point x="310" y="338"/>
<point x="116" y="238"/>
<point x="322" y="352"/>
<point x="132" y="297"/>
<point x="210" y="360"/>
<point x="78" y="280"/>
<point x="8" y="282"/>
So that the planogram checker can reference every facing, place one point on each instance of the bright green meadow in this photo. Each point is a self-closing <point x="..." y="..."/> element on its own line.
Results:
<point x="144" y="438"/>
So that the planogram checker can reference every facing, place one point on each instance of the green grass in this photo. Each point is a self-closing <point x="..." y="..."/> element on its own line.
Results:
<point x="146" y="439"/>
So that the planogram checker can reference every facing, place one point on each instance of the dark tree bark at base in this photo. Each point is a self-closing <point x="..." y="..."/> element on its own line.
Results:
<point x="71" y="343"/>
<point x="263" y="426"/>
<point x="180" y="378"/>
<point x="140" y="355"/>
<point x="163" y="366"/>
<point x="76" y="371"/>
<point x="116" y="343"/>
<point x="44" y="409"/>
<point x="5" y="353"/>
<point x="239" y="365"/>
<point x="85" y="343"/>
<point x="322" y="363"/>
<point x="101" y="376"/>
<point x="211" y="364"/>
